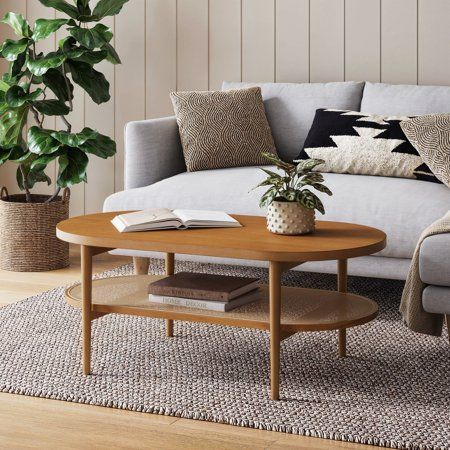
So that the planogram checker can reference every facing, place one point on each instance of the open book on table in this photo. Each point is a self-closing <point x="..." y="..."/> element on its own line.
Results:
<point x="163" y="219"/>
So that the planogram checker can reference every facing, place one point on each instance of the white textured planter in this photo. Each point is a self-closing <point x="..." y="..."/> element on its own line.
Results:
<point x="290" y="218"/>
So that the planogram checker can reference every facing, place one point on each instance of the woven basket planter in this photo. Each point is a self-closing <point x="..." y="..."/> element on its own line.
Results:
<point x="28" y="241"/>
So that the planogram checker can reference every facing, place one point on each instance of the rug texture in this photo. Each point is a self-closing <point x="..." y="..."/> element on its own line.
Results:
<point x="393" y="390"/>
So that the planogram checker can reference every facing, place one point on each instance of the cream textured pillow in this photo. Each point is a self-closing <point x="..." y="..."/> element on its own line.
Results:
<point x="430" y="135"/>
<point x="223" y="128"/>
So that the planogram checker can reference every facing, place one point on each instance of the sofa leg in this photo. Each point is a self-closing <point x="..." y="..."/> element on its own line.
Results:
<point x="447" y="320"/>
<point x="141" y="265"/>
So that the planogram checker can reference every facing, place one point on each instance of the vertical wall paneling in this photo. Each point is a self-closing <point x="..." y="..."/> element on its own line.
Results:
<point x="8" y="171"/>
<point x="327" y="40"/>
<point x="161" y="40"/>
<point x="130" y="83"/>
<point x="35" y="10"/>
<point x="292" y="40"/>
<point x="192" y="45"/>
<point x="100" y="182"/>
<point x="434" y="42"/>
<point x="224" y="42"/>
<point x="399" y="41"/>
<point x="170" y="45"/>
<point x="258" y="40"/>
<point x="362" y="40"/>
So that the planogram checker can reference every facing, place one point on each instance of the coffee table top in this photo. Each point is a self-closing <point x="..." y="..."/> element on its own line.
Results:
<point x="332" y="240"/>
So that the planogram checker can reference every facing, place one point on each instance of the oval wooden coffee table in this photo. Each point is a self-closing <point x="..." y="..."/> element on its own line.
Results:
<point x="282" y="311"/>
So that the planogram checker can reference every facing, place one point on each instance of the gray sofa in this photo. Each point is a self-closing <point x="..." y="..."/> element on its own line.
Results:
<point x="434" y="267"/>
<point x="155" y="176"/>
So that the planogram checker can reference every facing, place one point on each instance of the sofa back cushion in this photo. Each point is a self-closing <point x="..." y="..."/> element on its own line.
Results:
<point x="405" y="100"/>
<point x="290" y="108"/>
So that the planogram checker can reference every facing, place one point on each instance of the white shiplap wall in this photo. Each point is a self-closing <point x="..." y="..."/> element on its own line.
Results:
<point x="167" y="45"/>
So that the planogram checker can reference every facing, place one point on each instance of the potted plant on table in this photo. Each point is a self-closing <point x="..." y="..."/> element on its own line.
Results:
<point x="291" y="204"/>
<point x="38" y="85"/>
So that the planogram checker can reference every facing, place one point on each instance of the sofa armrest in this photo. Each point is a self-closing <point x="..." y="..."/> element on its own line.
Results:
<point x="434" y="260"/>
<point x="152" y="151"/>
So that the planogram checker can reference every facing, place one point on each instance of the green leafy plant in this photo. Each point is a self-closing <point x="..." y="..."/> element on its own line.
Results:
<point x="33" y="76"/>
<point x="291" y="184"/>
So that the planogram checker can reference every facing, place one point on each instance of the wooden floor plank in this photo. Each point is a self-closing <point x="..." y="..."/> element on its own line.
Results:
<point x="30" y="423"/>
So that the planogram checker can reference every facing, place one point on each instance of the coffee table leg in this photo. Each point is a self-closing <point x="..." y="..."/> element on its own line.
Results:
<point x="275" y="318"/>
<point x="170" y="269"/>
<point x="86" y="280"/>
<point x="342" y="287"/>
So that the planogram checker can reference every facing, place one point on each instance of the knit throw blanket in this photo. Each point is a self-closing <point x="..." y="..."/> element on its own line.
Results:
<point x="411" y="305"/>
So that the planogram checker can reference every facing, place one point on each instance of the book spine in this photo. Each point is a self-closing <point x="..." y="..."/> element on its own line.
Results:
<point x="193" y="294"/>
<point x="188" y="302"/>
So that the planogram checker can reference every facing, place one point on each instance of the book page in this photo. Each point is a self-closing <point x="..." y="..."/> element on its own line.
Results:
<point x="194" y="216"/>
<point x="148" y="216"/>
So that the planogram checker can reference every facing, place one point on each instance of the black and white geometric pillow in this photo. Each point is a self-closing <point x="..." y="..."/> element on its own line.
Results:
<point x="363" y="144"/>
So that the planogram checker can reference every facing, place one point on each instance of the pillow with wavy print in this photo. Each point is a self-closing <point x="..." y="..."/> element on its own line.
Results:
<point x="223" y="128"/>
<point x="430" y="136"/>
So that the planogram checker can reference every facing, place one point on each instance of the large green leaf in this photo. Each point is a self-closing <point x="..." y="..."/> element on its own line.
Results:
<point x="102" y="146"/>
<point x="93" y="82"/>
<point x="11" y="153"/>
<point x="112" y="56"/>
<point x="108" y="8"/>
<point x="43" y="161"/>
<point x="32" y="177"/>
<point x="12" y="124"/>
<point x="72" y="165"/>
<point x="16" y="96"/>
<point x="83" y="7"/>
<point x="62" y="6"/>
<point x="91" y="57"/>
<point x="12" y="49"/>
<point x="18" y="23"/>
<point x="4" y="86"/>
<point x="37" y="177"/>
<point x="74" y="139"/>
<point x="92" y="38"/>
<point x="17" y="65"/>
<point x="43" y="28"/>
<point x="52" y="107"/>
<point x="40" y="66"/>
<point x="41" y="142"/>
<point x="55" y="81"/>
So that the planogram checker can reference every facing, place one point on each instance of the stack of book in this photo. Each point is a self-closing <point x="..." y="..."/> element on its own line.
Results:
<point x="204" y="291"/>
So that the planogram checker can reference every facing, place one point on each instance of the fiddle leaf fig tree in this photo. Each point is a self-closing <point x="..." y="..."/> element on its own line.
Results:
<point x="33" y="77"/>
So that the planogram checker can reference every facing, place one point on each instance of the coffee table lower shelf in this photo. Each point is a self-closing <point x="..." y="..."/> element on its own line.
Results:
<point x="301" y="309"/>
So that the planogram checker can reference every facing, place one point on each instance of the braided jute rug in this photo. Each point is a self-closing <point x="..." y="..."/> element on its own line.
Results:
<point x="393" y="390"/>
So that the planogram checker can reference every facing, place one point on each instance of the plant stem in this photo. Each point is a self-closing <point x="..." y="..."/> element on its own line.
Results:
<point x="55" y="194"/>
<point x="25" y="184"/>
<point x="36" y="117"/>
<point x="67" y="123"/>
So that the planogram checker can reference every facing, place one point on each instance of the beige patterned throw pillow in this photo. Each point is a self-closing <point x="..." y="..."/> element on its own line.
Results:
<point x="223" y="128"/>
<point x="430" y="135"/>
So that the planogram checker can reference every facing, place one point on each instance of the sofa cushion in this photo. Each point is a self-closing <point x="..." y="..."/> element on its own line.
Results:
<point x="290" y="108"/>
<point x="363" y="144"/>
<point x="222" y="129"/>
<point x="405" y="100"/>
<point x="434" y="260"/>
<point x="436" y="300"/>
<point x="401" y="207"/>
